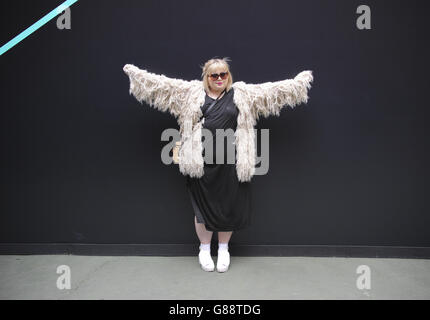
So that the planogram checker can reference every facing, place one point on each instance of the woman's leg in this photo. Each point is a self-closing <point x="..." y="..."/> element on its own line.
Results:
<point x="223" y="254"/>
<point x="204" y="235"/>
<point x="224" y="237"/>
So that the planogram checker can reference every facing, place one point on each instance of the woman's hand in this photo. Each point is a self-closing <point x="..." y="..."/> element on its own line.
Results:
<point x="305" y="77"/>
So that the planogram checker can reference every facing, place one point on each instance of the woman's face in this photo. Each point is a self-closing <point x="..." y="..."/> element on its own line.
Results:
<point x="215" y="77"/>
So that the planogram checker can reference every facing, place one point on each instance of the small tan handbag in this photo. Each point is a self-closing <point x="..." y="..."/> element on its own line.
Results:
<point x="176" y="152"/>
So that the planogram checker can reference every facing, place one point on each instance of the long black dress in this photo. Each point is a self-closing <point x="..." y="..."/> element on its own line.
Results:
<point x="219" y="199"/>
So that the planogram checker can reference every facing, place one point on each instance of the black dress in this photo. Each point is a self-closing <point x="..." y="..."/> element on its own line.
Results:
<point x="218" y="198"/>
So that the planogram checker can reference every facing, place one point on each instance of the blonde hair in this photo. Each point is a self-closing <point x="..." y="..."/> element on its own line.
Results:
<point x="210" y="65"/>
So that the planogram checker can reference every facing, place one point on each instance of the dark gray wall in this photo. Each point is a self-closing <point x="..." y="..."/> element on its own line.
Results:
<point x="80" y="157"/>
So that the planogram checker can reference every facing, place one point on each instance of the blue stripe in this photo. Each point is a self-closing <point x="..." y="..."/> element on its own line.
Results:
<point x="36" y="26"/>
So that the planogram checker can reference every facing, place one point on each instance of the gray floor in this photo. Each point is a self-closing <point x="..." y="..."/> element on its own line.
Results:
<point x="92" y="277"/>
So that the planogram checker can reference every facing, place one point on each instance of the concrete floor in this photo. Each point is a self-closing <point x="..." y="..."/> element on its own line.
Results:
<point x="280" y="278"/>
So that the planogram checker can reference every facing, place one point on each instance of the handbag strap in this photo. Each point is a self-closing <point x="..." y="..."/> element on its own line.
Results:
<point x="214" y="102"/>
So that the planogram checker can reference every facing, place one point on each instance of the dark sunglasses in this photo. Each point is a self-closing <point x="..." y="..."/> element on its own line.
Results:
<point x="223" y="75"/>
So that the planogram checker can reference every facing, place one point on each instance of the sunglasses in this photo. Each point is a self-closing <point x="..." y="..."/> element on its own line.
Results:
<point x="214" y="76"/>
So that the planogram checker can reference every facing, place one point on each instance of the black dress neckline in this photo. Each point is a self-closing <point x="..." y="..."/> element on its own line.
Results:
<point x="226" y="92"/>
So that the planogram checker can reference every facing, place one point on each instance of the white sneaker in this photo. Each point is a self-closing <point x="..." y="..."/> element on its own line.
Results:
<point x="223" y="261"/>
<point x="206" y="261"/>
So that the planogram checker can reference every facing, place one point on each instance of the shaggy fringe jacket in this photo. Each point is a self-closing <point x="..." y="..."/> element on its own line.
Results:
<point x="184" y="99"/>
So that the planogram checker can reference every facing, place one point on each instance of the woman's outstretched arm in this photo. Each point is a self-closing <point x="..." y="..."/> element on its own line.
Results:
<point x="270" y="97"/>
<point x="159" y="91"/>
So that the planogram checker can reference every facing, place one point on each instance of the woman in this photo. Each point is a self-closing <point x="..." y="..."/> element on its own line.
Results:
<point x="220" y="192"/>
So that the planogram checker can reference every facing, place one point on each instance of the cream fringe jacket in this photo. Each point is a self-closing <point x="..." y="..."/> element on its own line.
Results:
<point x="184" y="99"/>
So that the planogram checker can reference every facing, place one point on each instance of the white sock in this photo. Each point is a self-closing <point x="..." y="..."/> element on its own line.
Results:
<point x="206" y="246"/>
<point x="223" y="246"/>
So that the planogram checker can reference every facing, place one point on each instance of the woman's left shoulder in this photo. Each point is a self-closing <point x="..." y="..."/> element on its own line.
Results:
<point x="238" y="85"/>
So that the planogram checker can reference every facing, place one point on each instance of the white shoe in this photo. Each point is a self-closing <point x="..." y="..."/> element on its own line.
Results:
<point x="206" y="261"/>
<point x="223" y="261"/>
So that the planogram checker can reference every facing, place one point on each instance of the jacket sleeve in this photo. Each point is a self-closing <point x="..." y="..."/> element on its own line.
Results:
<point x="158" y="91"/>
<point x="270" y="97"/>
